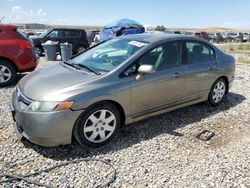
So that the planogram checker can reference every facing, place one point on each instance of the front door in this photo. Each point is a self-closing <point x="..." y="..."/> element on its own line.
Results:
<point x="165" y="86"/>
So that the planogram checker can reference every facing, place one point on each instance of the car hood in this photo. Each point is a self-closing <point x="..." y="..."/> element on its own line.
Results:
<point x="51" y="79"/>
<point x="35" y="39"/>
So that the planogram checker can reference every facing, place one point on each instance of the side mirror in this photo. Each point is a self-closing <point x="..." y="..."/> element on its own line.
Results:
<point x="144" y="69"/>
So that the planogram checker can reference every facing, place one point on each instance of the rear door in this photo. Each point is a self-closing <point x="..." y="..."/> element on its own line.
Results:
<point x="72" y="36"/>
<point x="202" y="68"/>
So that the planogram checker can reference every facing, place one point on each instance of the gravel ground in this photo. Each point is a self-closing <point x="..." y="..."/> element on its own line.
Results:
<point x="158" y="152"/>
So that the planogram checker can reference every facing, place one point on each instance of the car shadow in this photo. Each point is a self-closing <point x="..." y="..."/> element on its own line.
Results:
<point x="141" y="131"/>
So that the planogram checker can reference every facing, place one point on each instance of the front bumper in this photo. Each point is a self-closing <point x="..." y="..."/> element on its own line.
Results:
<point x="43" y="128"/>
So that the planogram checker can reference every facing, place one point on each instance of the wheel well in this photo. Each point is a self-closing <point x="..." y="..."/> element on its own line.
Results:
<point x="227" y="82"/>
<point x="119" y="107"/>
<point x="116" y="104"/>
<point x="10" y="61"/>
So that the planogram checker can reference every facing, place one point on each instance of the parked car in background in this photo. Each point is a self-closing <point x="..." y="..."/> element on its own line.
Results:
<point x="16" y="54"/>
<point x="202" y="35"/>
<point x="233" y="36"/>
<point x="188" y="33"/>
<point x="246" y="37"/>
<point x="172" y="32"/>
<point x="77" y="37"/>
<point x="215" y="37"/>
<point x="91" y="35"/>
<point x="121" y="81"/>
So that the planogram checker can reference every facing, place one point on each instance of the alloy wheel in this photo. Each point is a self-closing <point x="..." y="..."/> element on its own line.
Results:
<point x="5" y="74"/>
<point x="80" y="49"/>
<point x="219" y="91"/>
<point x="38" y="51"/>
<point x="99" y="126"/>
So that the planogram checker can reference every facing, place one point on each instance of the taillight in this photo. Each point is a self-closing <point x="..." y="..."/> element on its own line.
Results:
<point x="85" y="36"/>
<point x="25" y="44"/>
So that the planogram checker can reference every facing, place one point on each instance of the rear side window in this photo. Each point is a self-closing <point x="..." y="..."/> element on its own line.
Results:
<point x="72" y="33"/>
<point x="199" y="52"/>
<point x="21" y="34"/>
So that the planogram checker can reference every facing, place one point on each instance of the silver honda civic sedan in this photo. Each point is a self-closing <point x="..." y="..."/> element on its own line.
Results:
<point x="123" y="80"/>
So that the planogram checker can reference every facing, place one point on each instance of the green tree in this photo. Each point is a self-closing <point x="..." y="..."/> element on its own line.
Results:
<point x="160" y="28"/>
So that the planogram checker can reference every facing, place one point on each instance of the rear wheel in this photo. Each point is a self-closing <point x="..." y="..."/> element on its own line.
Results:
<point x="217" y="92"/>
<point x="97" y="125"/>
<point x="8" y="74"/>
<point x="38" y="50"/>
<point x="233" y="40"/>
<point x="79" y="49"/>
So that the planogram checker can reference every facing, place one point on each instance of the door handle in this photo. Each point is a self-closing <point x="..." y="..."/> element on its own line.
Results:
<point x="177" y="74"/>
<point x="211" y="67"/>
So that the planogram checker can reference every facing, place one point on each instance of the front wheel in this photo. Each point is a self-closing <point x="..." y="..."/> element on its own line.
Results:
<point x="97" y="125"/>
<point x="217" y="92"/>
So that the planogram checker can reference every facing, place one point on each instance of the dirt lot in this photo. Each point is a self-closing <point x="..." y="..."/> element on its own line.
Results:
<point x="158" y="152"/>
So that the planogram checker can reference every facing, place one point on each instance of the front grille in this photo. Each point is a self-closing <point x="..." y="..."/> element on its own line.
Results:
<point x="21" y="97"/>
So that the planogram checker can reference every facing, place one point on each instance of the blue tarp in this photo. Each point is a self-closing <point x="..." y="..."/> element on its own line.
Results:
<point x="121" y="27"/>
<point x="130" y="31"/>
<point x="122" y="23"/>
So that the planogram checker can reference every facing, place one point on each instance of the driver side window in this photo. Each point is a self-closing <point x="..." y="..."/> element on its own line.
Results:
<point x="55" y="34"/>
<point x="162" y="57"/>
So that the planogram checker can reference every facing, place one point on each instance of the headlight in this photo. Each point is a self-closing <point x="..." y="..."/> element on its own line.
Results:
<point x="37" y="106"/>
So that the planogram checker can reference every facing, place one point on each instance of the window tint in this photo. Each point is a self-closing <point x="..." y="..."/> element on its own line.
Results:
<point x="21" y="34"/>
<point x="72" y="33"/>
<point x="55" y="34"/>
<point x="161" y="57"/>
<point x="197" y="52"/>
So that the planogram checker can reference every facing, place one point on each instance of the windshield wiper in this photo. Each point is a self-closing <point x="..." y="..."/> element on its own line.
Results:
<point x="77" y="65"/>
<point x="86" y="67"/>
<point x="70" y="64"/>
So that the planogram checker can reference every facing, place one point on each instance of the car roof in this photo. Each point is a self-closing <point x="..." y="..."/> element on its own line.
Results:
<point x="66" y="28"/>
<point x="147" y="37"/>
<point x="9" y="26"/>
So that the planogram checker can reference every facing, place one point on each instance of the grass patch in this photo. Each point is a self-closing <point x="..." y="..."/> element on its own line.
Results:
<point x="241" y="51"/>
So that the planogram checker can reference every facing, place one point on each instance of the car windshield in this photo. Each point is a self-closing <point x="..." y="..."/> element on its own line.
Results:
<point x="108" y="55"/>
<point x="45" y="33"/>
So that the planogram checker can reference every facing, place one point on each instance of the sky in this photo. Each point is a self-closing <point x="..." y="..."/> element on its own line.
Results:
<point x="170" y="13"/>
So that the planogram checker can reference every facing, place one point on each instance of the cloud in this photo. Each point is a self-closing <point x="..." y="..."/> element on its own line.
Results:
<point x="19" y="14"/>
<point x="40" y="13"/>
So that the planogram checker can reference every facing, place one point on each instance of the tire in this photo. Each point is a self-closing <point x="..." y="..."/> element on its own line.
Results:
<point x="217" y="92"/>
<point x="8" y="73"/>
<point x="80" y="49"/>
<point x="233" y="40"/>
<point x="93" y="130"/>
<point x="38" y="50"/>
<point x="211" y="40"/>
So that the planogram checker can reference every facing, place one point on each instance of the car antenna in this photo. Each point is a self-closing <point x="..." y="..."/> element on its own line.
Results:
<point x="1" y="19"/>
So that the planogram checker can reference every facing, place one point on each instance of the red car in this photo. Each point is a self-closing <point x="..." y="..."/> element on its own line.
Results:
<point x="16" y="54"/>
<point x="202" y="35"/>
